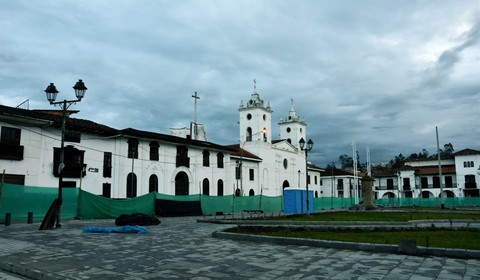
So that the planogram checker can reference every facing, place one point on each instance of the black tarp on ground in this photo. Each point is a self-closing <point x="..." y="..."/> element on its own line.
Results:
<point x="136" y="219"/>
<point x="169" y="208"/>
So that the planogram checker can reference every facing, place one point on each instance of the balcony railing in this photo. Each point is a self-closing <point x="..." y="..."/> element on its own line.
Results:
<point x="387" y="188"/>
<point x="71" y="170"/>
<point x="11" y="152"/>
<point x="471" y="185"/>
<point x="183" y="161"/>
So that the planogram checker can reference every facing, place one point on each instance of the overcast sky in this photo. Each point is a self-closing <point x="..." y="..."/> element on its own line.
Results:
<point x="382" y="73"/>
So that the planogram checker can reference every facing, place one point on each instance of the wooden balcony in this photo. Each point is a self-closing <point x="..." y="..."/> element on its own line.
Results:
<point x="11" y="152"/>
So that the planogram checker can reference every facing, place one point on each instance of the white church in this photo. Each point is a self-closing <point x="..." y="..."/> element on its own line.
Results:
<point x="122" y="163"/>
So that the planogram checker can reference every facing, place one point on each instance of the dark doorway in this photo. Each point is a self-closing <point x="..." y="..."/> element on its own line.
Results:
<point x="220" y="188"/>
<point x="206" y="187"/>
<point x="181" y="183"/>
<point x="153" y="183"/>
<point x="132" y="185"/>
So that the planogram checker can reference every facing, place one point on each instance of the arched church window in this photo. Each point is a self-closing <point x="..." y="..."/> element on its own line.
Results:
<point x="220" y="187"/>
<point x="206" y="158"/>
<point x="220" y="160"/>
<point x="206" y="187"/>
<point x="249" y="134"/>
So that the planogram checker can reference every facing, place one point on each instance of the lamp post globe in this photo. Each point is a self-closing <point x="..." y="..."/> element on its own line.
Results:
<point x="80" y="89"/>
<point x="309" y="145"/>
<point x="51" y="92"/>
<point x="301" y="143"/>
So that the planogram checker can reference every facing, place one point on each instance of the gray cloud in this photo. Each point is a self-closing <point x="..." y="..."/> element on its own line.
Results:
<point x="381" y="73"/>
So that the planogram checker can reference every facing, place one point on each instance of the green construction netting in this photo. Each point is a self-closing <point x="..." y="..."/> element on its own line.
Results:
<point x="430" y="202"/>
<point x="93" y="206"/>
<point x="231" y="204"/>
<point x="322" y="203"/>
<point x="193" y="197"/>
<point x="19" y="200"/>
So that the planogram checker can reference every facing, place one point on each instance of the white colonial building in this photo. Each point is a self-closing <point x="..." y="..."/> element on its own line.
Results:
<point x="130" y="162"/>
<point x="421" y="178"/>
<point x="340" y="183"/>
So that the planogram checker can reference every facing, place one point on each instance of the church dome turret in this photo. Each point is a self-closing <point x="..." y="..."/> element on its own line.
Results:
<point x="293" y="127"/>
<point x="255" y="101"/>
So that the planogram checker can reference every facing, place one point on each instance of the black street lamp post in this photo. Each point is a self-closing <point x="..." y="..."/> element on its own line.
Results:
<point x="51" y="92"/>
<point x="307" y="149"/>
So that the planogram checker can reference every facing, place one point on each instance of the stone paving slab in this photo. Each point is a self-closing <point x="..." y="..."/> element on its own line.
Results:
<point x="181" y="248"/>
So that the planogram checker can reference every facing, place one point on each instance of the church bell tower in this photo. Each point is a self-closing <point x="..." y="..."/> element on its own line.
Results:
<point x="255" y="119"/>
<point x="293" y="128"/>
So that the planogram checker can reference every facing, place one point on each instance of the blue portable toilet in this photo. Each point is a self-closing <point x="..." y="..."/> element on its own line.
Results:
<point x="295" y="202"/>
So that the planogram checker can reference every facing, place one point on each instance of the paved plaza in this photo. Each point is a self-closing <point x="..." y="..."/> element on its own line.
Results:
<point x="181" y="248"/>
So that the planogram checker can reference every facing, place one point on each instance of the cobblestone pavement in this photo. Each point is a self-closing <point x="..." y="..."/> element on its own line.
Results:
<point x="6" y="276"/>
<point x="181" y="248"/>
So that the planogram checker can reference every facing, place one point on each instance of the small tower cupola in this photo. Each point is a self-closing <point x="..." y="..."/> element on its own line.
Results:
<point x="292" y="116"/>
<point x="255" y="100"/>
<point x="293" y="127"/>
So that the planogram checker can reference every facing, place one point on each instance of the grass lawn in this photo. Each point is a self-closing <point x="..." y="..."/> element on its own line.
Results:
<point x="429" y="238"/>
<point x="384" y="216"/>
<point x="461" y="239"/>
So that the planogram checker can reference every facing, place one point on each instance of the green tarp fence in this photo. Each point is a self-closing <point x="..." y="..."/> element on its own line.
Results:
<point x="19" y="200"/>
<point x="232" y="204"/>
<point x="430" y="202"/>
<point x="97" y="207"/>
<point x="322" y="203"/>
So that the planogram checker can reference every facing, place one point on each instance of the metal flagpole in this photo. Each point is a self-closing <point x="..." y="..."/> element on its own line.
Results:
<point x="440" y="171"/>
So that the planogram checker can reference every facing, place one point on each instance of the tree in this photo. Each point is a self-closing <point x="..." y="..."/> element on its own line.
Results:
<point x="398" y="161"/>
<point x="413" y="156"/>
<point x="447" y="149"/>
<point x="346" y="161"/>
<point x="331" y="165"/>
<point x="423" y="154"/>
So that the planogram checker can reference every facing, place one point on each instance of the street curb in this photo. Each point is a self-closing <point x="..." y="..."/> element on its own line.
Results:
<point x="414" y="223"/>
<point x="377" y="248"/>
